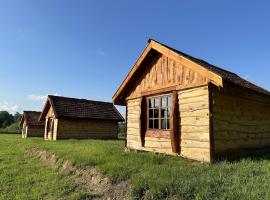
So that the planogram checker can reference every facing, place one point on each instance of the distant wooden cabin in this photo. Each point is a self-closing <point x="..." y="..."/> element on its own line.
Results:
<point x="30" y="124"/>
<point x="69" y="118"/>
<point x="178" y="104"/>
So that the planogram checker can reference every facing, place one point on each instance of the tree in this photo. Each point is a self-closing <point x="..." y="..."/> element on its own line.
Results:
<point x="17" y="117"/>
<point x="5" y="119"/>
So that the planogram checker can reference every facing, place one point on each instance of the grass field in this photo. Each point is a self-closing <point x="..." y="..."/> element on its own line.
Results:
<point x="26" y="178"/>
<point x="151" y="176"/>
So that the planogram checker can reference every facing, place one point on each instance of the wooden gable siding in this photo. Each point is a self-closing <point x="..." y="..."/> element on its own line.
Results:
<point x="241" y="121"/>
<point x="50" y="113"/>
<point x="165" y="72"/>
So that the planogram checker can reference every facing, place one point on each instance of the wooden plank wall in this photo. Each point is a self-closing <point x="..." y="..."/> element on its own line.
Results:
<point x="194" y="123"/>
<point x="35" y="131"/>
<point x="86" y="129"/>
<point x="241" y="121"/>
<point x="133" y="124"/>
<point x="165" y="72"/>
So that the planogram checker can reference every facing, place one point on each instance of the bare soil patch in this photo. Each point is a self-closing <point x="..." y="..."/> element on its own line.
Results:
<point x="86" y="177"/>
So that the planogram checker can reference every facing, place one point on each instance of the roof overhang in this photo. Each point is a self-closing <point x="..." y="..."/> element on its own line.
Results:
<point x="153" y="45"/>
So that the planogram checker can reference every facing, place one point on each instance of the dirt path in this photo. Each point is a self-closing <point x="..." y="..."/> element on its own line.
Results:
<point x="88" y="178"/>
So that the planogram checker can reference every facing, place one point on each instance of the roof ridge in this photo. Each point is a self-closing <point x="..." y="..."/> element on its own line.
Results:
<point x="81" y="99"/>
<point x="32" y="111"/>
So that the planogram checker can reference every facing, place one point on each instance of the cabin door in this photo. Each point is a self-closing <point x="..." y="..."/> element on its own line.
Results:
<point x="50" y="129"/>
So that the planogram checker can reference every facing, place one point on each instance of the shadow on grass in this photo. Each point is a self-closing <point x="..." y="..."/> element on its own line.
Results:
<point x="246" y="154"/>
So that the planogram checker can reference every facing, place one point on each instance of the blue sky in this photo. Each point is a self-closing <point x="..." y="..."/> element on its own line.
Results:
<point x="85" y="48"/>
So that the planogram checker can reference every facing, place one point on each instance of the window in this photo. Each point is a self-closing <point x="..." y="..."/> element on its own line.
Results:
<point x="159" y="112"/>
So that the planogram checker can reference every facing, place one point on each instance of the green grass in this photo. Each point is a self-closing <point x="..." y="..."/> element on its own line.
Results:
<point x="26" y="178"/>
<point x="158" y="176"/>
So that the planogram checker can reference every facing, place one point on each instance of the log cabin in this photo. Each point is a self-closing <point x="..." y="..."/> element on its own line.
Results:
<point x="180" y="105"/>
<point x="30" y="124"/>
<point x="70" y="118"/>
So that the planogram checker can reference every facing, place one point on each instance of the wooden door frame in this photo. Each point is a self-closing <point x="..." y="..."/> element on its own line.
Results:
<point x="49" y="128"/>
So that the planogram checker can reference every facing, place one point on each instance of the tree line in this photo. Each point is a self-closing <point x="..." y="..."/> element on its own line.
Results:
<point x="7" y="119"/>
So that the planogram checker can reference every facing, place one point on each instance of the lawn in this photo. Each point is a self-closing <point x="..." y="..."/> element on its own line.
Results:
<point x="151" y="176"/>
<point x="26" y="178"/>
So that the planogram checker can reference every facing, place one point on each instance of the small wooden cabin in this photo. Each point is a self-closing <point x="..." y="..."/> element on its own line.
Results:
<point x="70" y="118"/>
<point x="181" y="105"/>
<point x="30" y="124"/>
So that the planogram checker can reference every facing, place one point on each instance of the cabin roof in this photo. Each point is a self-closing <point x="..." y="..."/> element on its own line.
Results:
<point x="31" y="118"/>
<point x="216" y="74"/>
<point x="225" y="74"/>
<point x="65" y="107"/>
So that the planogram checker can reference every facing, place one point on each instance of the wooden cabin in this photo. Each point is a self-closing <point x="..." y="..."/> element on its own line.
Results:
<point x="177" y="104"/>
<point x="30" y="124"/>
<point x="70" y="118"/>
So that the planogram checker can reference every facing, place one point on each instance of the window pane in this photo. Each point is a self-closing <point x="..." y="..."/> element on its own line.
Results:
<point x="150" y="123"/>
<point x="151" y="113"/>
<point x="156" y="123"/>
<point x="169" y="101"/>
<point x="168" y="123"/>
<point x="151" y="103"/>
<point x="163" y="124"/>
<point x="163" y="112"/>
<point x="169" y="113"/>
<point x="156" y="102"/>
<point x="155" y="113"/>
<point x="164" y="102"/>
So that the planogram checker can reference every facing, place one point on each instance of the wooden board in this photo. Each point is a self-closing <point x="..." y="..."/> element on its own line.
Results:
<point x="240" y="121"/>
<point x="164" y="72"/>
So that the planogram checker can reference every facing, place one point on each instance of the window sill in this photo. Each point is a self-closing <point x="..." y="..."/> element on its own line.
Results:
<point x="157" y="133"/>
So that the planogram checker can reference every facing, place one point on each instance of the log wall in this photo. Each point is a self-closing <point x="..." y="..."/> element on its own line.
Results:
<point x="86" y="129"/>
<point x="35" y="131"/>
<point x="133" y="124"/>
<point x="194" y="123"/>
<point x="154" y="144"/>
<point x="241" y="122"/>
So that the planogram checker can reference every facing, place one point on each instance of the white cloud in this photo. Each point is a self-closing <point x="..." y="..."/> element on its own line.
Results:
<point x="10" y="107"/>
<point x="37" y="97"/>
<point x="34" y="97"/>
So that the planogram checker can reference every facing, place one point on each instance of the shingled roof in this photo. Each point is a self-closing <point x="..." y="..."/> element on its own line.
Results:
<point x="31" y="118"/>
<point x="65" y="107"/>
<point x="226" y="75"/>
